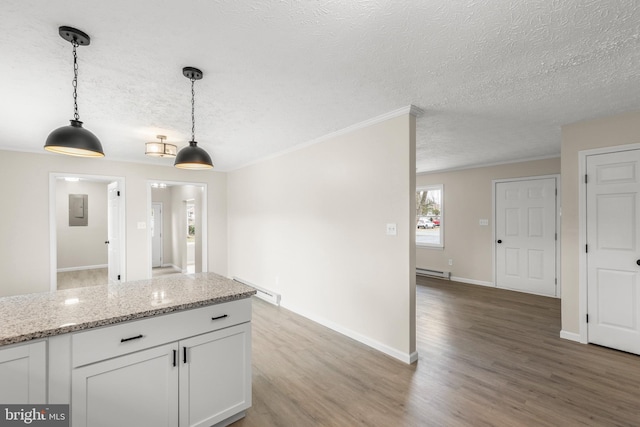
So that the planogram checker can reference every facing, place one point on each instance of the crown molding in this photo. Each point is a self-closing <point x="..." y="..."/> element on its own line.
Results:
<point x="409" y="109"/>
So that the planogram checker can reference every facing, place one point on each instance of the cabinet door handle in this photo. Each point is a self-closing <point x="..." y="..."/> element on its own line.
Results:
<point x="219" y="317"/>
<point x="137" y="337"/>
<point x="184" y="354"/>
<point x="175" y="358"/>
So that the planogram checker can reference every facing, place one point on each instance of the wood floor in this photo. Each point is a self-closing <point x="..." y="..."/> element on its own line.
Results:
<point x="488" y="357"/>
<point x="82" y="278"/>
<point x="99" y="276"/>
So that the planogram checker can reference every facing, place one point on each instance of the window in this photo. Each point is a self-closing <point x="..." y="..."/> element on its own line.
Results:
<point x="429" y="216"/>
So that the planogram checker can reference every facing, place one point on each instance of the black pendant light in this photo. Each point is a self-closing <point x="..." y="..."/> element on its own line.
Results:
<point x="193" y="157"/>
<point x="74" y="140"/>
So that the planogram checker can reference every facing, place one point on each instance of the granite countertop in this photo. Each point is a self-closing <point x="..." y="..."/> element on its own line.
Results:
<point x="31" y="316"/>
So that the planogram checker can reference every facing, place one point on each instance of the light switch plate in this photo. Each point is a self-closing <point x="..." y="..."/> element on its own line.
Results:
<point x="392" y="230"/>
<point x="484" y="222"/>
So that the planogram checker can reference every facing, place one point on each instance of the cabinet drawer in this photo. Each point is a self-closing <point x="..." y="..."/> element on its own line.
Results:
<point x="111" y="341"/>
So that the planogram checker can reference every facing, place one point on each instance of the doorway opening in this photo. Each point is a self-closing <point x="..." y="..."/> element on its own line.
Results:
<point x="87" y="239"/>
<point x="177" y="235"/>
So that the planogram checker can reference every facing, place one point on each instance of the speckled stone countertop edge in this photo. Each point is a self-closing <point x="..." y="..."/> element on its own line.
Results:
<point x="120" y="319"/>
<point x="32" y="317"/>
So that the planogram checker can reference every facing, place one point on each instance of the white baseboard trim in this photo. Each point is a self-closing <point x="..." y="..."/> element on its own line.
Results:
<point x="571" y="336"/>
<point x="396" y="354"/>
<point x="262" y="293"/>
<point x="473" y="281"/>
<point x="83" y="267"/>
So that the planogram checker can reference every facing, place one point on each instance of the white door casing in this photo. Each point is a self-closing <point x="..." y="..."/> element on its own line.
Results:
<point x="612" y="249"/>
<point x="113" y="238"/>
<point x="178" y="258"/>
<point x="156" y="235"/>
<point x="526" y="235"/>
<point x="119" y="236"/>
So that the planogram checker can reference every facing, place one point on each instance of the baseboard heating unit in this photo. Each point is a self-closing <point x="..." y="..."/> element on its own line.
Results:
<point x="433" y="273"/>
<point x="262" y="293"/>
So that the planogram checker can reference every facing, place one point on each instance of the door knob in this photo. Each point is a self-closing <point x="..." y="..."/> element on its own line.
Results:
<point x="106" y="242"/>
<point x="638" y="262"/>
<point x="500" y="241"/>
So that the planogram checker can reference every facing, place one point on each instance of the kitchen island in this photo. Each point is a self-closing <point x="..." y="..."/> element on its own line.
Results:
<point x="168" y="351"/>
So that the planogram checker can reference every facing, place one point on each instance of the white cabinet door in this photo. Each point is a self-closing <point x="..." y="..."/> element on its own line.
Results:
<point x="23" y="374"/>
<point x="135" y="390"/>
<point x="215" y="376"/>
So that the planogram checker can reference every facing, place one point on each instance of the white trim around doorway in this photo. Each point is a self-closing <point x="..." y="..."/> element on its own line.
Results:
<point x="53" y="238"/>
<point x="204" y="226"/>
<point x="557" y="177"/>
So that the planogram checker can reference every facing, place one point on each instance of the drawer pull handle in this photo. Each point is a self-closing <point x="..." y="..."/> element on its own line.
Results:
<point x="184" y="354"/>
<point x="220" y="317"/>
<point x="175" y="358"/>
<point x="137" y="337"/>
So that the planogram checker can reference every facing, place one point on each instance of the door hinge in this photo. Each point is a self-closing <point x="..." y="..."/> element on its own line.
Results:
<point x="586" y="179"/>
<point x="556" y="236"/>
<point x="118" y="277"/>
<point x="586" y="248"/>
<point x="556" y="191"/>
<point x="556" y="281"/>
<point x="587" y="318"/>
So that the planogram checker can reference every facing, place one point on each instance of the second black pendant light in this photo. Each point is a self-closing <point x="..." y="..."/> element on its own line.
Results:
<point x="192" y="156"/>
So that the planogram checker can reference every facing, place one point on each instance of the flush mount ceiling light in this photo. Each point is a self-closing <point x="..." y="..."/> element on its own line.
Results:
<point x="74" y="140"/>
<point x="160" y="149"/>
<point x="193" y="157"/>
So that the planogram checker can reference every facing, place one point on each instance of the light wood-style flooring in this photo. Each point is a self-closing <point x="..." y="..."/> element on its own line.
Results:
<point x="99" y="276"/>
<point x="82" y="278"/>
<point x="487" y="357"/>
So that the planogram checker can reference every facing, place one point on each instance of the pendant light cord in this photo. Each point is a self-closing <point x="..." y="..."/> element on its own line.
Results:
<point x="76" y="116"/>
<point x="193" y="115"/>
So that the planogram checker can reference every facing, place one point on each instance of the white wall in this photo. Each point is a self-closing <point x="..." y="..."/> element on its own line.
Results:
<point x="311" y="225"/>
<point x="24" y="222"/>
<point x="467" y="199"/>
<point x="82" y="246"/>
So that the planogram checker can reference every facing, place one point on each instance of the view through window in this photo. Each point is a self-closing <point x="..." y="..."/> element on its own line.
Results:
<point x="429" y="214"/>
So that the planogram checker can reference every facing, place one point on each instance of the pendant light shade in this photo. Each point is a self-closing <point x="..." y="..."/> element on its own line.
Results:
<point x="74" y="140"/>
<point x="193" y="157"/>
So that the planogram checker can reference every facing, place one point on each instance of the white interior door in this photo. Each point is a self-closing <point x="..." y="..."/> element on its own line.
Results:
<point x="156" y="234"/>
<point x="526" y="235"/>
<point x="613" y="255"/>
<point x="113" y="233"/>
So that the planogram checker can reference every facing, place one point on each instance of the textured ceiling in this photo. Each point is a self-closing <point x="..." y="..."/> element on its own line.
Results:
<point x="495" y="78"/>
